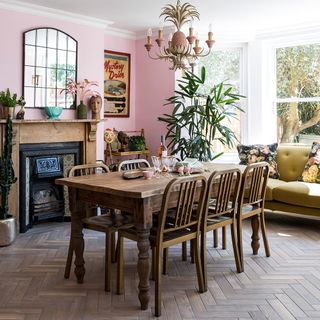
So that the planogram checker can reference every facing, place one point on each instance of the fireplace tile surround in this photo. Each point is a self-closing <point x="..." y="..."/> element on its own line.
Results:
<point x="27" y="132"/>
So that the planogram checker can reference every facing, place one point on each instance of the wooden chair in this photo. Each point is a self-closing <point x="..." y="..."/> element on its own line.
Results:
<point x="183" y="194"/>
<point x="251" y="204"/>
<point x="220" y="210"/>
<point x="133" y="164"/>
<point x="107" y="223"/>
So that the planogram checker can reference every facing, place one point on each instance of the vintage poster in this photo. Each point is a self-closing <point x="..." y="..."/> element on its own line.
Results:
<point x="116" y="84"/>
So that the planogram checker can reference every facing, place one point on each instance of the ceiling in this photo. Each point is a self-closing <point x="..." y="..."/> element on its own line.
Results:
<point x="232" y="16"/>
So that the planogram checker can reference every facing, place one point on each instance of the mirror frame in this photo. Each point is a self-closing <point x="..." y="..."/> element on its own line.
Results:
<point x="35" y="84"/>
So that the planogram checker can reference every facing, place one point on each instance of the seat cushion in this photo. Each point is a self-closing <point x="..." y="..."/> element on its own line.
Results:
<point x="271" y="185"/>
<point x="298" y="193"/>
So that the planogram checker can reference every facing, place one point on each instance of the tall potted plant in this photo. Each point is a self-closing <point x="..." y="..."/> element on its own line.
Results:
<point x="199" y="118"/>
<point x="8" y="101"/>
<point x="7" y="178"/>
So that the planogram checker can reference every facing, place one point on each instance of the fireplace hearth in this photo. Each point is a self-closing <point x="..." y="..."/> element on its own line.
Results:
<point x="40" y="165"/>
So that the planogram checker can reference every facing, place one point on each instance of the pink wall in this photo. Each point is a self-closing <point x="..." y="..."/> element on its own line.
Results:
<point x="155" y="83"/>
<point x="128" y="46"/>
<point x="151" y="81"/>
<point x="90" y="56"/>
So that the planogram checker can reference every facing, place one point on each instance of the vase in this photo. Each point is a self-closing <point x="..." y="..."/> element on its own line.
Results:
<point x="82" y="111"/>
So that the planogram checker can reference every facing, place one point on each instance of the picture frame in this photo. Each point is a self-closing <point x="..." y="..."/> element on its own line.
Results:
<point x="116" y="84"/>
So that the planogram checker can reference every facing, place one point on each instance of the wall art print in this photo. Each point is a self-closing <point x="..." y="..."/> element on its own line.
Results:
<point x="116" y="84"/>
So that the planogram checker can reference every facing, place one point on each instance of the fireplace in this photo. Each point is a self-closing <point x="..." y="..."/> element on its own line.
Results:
<point x="40" y="165"/>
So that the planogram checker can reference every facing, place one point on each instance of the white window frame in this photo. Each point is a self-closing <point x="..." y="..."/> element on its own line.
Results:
<point x="232" y="157"/>
<point x="268" y="88"/>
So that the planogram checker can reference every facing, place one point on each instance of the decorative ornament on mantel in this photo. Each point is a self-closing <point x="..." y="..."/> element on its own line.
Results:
<point x="182" y="51"/>
<point x="83" y="89"/>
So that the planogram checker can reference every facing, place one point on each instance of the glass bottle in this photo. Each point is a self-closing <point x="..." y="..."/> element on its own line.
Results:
<point x="162" y="151"/>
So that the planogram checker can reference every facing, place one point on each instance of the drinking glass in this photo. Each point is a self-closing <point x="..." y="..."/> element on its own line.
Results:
<point x="156" y="161"/>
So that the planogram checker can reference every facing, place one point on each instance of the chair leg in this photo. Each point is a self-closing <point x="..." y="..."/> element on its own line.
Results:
<point x="113" y="247"/>
<point x="235" y="246"/>
<point x="203" y="257"/>
<point x="196" y="245"/>
<point x="157" y="286"/>
<point x="184" y="251"/>
<point x="215" y="238"/>
<point x="120" y="272"/>
<point x="192" y="250"/>
<point x="69" y="261"/>
<point x="264" y="234"/>
<point x="107" y="264"/>
<point x="153" y="264"/>
<point x="165" y="261"/>
<point x="224" y="238"/>
<point x="240" y="246"/>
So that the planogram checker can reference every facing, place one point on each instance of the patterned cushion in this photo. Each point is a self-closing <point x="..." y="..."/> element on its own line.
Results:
<point x="258" y="153"/>
<point x="311" y="172"/>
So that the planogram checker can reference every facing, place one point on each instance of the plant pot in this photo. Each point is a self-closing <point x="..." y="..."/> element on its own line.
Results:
<point x="5" y="111"/>
<point x="7" y="231"/>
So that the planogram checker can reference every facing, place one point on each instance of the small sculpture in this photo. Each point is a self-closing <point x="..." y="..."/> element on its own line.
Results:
<point x="124" y="140"/>
<point x="22" y="111"/>
<point x="95" y="104"/>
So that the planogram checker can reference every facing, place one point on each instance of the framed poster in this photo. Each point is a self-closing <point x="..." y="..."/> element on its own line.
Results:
<point x="116" y="84"/>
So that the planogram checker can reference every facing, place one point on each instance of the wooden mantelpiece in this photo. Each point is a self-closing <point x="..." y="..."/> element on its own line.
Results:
<point x="48" y="131"/>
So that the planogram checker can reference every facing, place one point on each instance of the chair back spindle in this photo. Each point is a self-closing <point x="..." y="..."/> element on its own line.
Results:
<point x="186" y="197"/>
<point x="254" y="182"/>
<point x="133" y="164"/>
<point x="223" y="190"/>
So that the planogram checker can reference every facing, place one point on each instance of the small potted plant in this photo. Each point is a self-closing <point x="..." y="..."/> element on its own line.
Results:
<point x="7" y="178"/>
<point x="136" y="143"/>
<point x="8" y="101"/>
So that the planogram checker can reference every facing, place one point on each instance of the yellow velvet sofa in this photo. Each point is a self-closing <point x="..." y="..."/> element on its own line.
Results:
<point x="287" y="193"/>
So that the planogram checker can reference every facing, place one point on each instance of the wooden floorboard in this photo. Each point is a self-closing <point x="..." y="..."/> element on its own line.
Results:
<point x="283" y="286"/>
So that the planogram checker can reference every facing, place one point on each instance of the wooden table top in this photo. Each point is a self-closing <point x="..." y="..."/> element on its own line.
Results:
<point x="114" y="183"/>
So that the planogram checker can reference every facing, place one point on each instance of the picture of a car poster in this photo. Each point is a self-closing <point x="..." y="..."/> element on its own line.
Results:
<point x="116" y="84"/>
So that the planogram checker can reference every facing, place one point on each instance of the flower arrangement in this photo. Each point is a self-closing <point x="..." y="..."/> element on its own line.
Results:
<point x="83" y="88"/>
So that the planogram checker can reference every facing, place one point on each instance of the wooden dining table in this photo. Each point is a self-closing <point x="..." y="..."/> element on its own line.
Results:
<point x="140" y="197"/>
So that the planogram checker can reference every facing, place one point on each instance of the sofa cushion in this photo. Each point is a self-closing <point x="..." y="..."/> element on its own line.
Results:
<point x="257" y="153"/>
<point x="298" y="193"/>
<point x="291" y="159"/>
<point x="271" y="185"/>
<point x="311" y="172"/>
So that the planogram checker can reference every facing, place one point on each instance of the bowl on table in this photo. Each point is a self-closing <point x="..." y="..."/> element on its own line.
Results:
<point x="53" y="112"/>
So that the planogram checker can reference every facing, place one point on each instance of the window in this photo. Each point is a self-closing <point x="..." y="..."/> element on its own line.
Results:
<point x="225" y="64"/>
<point x="298" y="92"/>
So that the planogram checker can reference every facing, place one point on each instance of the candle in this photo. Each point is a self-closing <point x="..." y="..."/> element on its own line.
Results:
<point x="149" y="34"/>
<point x="210" y="34"/>
<point x="190" y="29"/>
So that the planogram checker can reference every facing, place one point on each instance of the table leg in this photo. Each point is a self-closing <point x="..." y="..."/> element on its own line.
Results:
<point x="255" y="234"/>
<point x="77" y="214"/>
<point x="143" y="266"/>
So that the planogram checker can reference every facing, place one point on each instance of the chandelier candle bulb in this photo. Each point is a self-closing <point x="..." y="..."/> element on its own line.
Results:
<point x="149" y="35"/>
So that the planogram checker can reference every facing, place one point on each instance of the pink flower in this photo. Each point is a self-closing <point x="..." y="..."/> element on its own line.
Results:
<point x="83" y="88"/>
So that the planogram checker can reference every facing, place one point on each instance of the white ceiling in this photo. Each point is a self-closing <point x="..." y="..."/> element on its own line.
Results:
<point x="232" y="16"/>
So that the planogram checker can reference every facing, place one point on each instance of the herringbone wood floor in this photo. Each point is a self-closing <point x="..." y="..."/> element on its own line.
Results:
<point x="284" y="286"/>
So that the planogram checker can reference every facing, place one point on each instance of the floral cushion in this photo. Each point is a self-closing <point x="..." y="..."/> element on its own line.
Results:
<point x="258" y="153"/>
<point x="311" y="172"/>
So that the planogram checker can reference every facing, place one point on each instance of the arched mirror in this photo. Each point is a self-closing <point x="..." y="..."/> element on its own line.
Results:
<point x="50" y="57"/>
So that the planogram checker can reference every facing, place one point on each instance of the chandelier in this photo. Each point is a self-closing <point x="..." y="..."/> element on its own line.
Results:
<point x="182" y="51"/>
